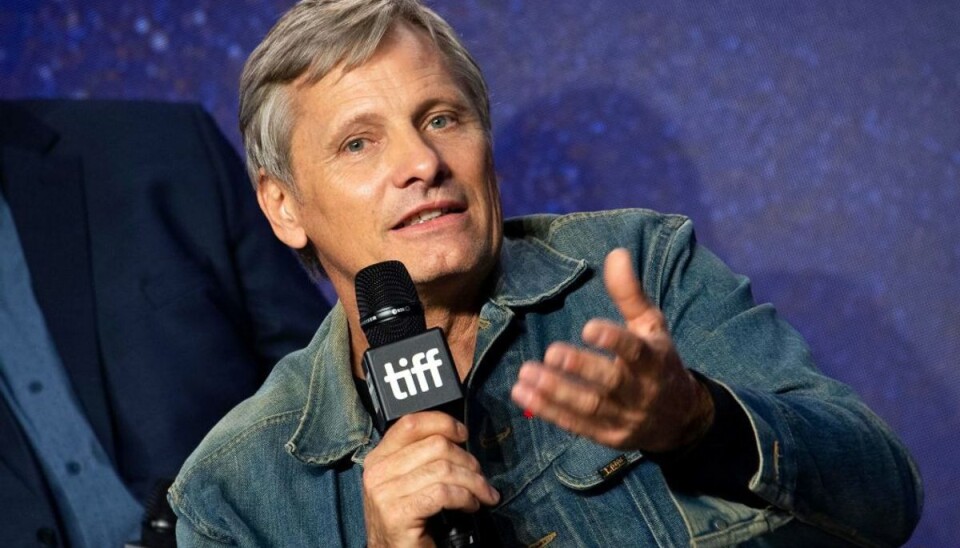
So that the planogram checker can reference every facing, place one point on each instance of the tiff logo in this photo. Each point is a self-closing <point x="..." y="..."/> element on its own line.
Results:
<point x="422" y="363"/>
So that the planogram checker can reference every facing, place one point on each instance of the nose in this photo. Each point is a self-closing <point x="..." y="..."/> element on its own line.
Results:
<point x="416" y="160"/>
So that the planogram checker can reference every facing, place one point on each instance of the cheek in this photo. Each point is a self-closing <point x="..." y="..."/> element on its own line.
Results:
<point x="344" y="201"/>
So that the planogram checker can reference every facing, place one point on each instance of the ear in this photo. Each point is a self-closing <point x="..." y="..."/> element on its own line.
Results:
<point x="282" y="210"/>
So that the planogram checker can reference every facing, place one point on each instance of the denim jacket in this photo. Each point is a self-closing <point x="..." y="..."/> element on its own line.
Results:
<point x="284" y="467"/>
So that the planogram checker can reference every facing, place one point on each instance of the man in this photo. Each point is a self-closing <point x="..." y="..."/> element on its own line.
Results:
<point x="142" y="296"/>
<point x="686" y="415"/>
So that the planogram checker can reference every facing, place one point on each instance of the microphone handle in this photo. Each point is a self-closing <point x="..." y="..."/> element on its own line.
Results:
<point x="452" y="529"/>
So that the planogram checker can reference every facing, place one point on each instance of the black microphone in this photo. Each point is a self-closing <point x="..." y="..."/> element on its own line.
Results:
<point x="408" y="368"/>
<point x="159" y="522"/>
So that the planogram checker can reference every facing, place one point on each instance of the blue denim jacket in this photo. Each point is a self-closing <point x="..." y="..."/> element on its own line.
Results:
<point x="284" y="467"/>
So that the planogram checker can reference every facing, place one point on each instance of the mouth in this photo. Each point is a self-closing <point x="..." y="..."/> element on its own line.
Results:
<point x="428" y="214"/>
<point x="424" y="216"/>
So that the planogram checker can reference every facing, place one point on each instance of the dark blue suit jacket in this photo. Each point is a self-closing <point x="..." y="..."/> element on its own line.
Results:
<point x="166" y="294"/>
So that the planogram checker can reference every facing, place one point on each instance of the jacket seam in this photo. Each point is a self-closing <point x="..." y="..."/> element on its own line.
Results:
<point x="176" y="491"/>
<point x="243" y="435"/>
<point x="560" y="222"/>
<point x="670" y="233"/>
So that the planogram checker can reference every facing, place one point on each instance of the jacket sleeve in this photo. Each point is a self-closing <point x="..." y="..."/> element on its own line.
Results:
<point x="824" y="457"/>
<point x="283" y="305"/>
<point x="188" y="537"/>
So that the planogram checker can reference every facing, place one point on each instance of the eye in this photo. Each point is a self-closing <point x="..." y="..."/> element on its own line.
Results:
<point x="440" y="122"/>
<point x="355" y="145"/>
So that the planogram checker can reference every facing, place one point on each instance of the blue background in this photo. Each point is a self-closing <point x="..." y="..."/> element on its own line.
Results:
<point x="815" y="144"/>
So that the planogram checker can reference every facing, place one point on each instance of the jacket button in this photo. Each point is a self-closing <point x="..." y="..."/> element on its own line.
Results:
<point x="47" y="537"/>
<point x="718" y="524"/>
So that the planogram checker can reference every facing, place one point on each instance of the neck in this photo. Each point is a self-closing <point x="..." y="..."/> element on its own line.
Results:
<point x="460" y="327"/>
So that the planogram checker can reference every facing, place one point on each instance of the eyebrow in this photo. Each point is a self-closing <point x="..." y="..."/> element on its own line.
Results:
<point x="456" y="101"/>
<point x="359" y="119"/>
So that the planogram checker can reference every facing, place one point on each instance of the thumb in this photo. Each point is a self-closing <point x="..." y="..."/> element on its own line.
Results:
<point x="623" y="286"/>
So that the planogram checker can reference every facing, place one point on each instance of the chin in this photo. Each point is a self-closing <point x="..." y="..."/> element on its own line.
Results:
<point x="426" y="274"/>
<point x="434" y="272"/>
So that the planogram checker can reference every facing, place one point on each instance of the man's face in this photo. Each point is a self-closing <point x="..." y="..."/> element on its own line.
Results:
<point x="392" y="162"/>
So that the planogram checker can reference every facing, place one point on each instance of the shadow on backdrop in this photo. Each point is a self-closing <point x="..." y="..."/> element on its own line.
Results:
<point x="594" y="148"/>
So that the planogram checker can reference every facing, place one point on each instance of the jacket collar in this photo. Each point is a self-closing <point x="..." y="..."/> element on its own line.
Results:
<point x="20" y="129"/>
<point x="530" y="273"/>
<point x="322" y="436"/>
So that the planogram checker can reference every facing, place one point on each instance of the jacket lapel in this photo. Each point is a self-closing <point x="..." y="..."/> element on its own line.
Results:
<point x="46" y="195"/>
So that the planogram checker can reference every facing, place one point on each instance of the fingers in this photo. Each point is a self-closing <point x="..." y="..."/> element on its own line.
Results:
<point x="420" y="454"/>
<point x="578" y="380"/>
<point x="570" y="381"/>
<point x="606" y="335"/>
<point x="397" y="506"/>
<point x="634" y="352"/>
<point x="417" y="470"/>
<point x="418" y="426"/>
<point x="424" y="447"/>
<point x="577" y="407"/>
<point x="540" y="388"/>
<point x="586" y="366"/>
<point x="440" y="484"/>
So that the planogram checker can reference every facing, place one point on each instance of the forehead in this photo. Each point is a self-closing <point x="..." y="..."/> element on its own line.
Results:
<point x="406" y="66"/>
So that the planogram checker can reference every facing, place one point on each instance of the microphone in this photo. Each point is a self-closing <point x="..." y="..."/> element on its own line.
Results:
<point x="408" y="368"/>
<point x="159" y="522"/>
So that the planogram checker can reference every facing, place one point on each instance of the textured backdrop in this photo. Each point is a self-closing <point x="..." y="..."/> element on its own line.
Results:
<point x="815" y="144"/>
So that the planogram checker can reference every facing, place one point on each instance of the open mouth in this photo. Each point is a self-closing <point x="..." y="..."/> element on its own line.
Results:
<point x="427" y="215"/>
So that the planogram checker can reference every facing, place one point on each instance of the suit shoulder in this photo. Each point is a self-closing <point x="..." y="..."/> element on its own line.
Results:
<point x="54" y="108"/>
<point x="156" y="123"/>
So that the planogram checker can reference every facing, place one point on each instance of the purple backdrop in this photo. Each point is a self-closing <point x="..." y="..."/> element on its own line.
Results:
<point x="816" y="145"/>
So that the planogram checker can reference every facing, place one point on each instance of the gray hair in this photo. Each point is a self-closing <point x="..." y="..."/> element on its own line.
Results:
<point x="310" y="40"/>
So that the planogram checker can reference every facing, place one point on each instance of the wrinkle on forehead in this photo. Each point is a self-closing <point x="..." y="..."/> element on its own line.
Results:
<point x="345" y="90"/>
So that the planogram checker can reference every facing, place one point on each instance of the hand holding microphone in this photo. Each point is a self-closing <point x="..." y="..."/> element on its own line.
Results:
<point x="419" y="472"/>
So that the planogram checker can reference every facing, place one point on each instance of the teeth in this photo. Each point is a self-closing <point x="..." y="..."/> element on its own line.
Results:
<point x="425" y="216"/>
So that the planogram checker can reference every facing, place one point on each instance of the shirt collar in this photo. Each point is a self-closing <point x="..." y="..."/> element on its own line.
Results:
<point x="530" y="272"/>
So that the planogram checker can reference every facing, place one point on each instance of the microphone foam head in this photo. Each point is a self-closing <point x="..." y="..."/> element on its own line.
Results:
<point x="387" y="300"/>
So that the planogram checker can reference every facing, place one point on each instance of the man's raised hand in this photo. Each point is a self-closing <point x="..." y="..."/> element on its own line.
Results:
<point x="644" y="398"/>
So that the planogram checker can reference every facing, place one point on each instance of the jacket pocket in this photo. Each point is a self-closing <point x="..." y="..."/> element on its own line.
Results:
<point x="586" y="465"/>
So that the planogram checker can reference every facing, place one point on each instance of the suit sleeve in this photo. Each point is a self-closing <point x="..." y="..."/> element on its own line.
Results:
<point x="283" y="305"/>
<point x="823" y="455"/>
